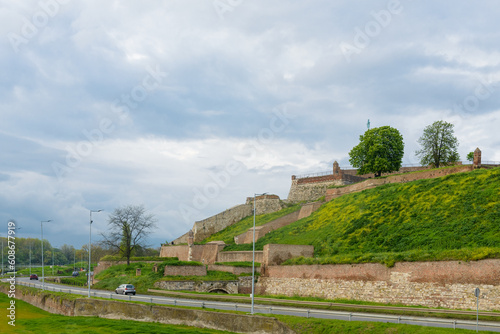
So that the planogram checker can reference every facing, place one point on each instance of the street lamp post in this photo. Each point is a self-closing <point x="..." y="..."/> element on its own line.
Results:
<point x="43" y="272"/>
<point x="90" y="247"/>
<point x="253" y="251"/>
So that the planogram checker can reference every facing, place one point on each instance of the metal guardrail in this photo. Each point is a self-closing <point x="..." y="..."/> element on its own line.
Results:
<point x="274" y="309"/>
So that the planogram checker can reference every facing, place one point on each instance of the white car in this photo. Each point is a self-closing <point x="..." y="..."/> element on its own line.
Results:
<point x="125" y="289"/>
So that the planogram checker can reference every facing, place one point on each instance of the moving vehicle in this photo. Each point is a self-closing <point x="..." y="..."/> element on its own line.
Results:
<point x="125" y="289"/>
<point x="33" y="276"/>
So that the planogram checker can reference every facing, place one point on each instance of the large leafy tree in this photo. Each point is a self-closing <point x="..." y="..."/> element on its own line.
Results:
<point x="129" y="227"/>
<point x="438" y="145"/>
<point x="380" y="150"/>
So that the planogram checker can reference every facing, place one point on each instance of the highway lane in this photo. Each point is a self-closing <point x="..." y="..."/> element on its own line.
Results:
<point x="265" y="309"/>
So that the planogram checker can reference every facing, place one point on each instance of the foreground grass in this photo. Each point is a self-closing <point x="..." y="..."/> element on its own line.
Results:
<point x="30" y="319"/>
<point x="321" y="326"/>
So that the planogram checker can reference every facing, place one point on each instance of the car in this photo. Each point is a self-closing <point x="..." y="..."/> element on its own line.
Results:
<point x="33" y="276"/>
<point x="125" y="289"/>
<point x="75" y="273"/>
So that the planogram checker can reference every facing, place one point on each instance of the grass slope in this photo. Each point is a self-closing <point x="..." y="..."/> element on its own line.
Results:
<point x="453" y="217"/>
<point x="227" y="235"/>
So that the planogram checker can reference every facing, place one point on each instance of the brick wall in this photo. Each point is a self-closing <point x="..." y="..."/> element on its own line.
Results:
<point x="239" y="256"/>
<point x="372" y="183"/>
<point x="181" y="252"/>
<point x="448" y="284"/>
<point x="185" y="271"/>
<point x="275" y="254"/>
<point x="232" y="269"/>
<point x="262" y="230"/>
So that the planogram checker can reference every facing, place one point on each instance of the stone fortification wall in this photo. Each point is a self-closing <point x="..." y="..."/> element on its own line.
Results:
<point x="181" y="252"/>
<point x="232" y="269"/>
<point x="205" y="228"/>
<point x="199" y="286"/>
<point x="310" y="191"/>
<point x="185" y="271"/>
<point x="448" y="284"/>
<point x="265" y="204"/>
<point x="308" y="209"/>
<point x="239" y="323"/>
<point x="239" y="256"/>
<point x="274" y="254"/>
<point x="372" y="183"/>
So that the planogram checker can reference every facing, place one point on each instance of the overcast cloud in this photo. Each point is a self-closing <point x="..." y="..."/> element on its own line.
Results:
<point x="189" y="107"/>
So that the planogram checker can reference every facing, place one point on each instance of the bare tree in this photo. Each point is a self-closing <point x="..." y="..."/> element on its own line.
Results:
<point x="129" y="227"/>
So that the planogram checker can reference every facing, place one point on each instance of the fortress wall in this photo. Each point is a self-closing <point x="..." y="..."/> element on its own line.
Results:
<point x="372" y="183"/>
<point x="205" y="228"/>
<point x="310" y="191"/>
<point x="448" y="284"/>
<point x="180" y="252"/>
<point x="239" y="256"/>
<point x="275" y="254"/>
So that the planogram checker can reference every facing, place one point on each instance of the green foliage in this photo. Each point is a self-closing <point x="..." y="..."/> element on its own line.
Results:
<point x="227" y="235"/>
<point x="32" y="320"/>
<point x="380" y="150"/>
<point x="320" y="326"/>
<point x="470" y="156"/>
<point x="438" y="145"/>
<point x="453" y="217"/>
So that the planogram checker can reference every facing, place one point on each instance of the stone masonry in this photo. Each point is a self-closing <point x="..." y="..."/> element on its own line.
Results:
<point x="448" y="284"/>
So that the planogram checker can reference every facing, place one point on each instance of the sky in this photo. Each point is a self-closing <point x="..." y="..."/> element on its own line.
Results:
<point x="190" y="107"/>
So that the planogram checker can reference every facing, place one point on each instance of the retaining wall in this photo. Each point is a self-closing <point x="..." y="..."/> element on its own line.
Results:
<point x="275" y="254"/>
<point x="239" y="256"/>
<point x="448" y="284"/>
<point x="185" y="271"/>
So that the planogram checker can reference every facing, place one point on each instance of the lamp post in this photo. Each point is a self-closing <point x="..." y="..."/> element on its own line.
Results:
<point x="253" y="251"/>
<point x="43" y="272"/>
<point x="90" y="247"/>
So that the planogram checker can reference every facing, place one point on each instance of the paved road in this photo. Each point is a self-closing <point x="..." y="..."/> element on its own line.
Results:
<point x="301" y="312"/>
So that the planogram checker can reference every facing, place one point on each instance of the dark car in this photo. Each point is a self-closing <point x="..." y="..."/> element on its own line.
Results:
<point x="33" y="276"/>
<point x="125" y="289"/>
<point x="75" y="273"/>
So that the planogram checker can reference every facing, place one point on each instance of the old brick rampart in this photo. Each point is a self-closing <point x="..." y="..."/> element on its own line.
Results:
<point x="181" y="252"/>
<point x="275" y="254"/>
<point x="448" y="284"/>
<point x="239" y="256"/>
<point x="402" y="178"/>
<point x="185" y="271"/>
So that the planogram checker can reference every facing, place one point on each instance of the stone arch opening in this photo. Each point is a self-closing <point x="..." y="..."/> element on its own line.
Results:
<point x="218" y="290"/>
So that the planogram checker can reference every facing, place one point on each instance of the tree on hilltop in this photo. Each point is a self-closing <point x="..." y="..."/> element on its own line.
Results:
<point x="438" y="145"/>
<point x="128" y="229"/>
<point x="380" y="150"/>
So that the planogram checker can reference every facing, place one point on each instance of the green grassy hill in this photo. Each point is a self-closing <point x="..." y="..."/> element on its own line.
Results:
<point x="453" y="217"/>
